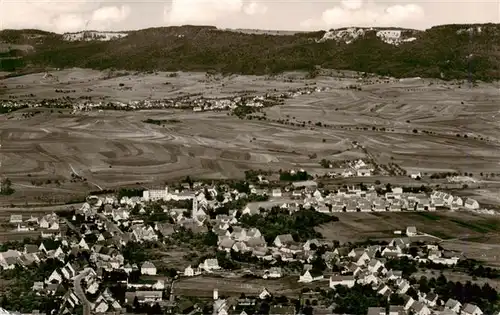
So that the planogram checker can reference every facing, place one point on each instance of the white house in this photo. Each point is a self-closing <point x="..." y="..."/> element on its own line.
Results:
<point x="54" y="277"/>
<point x="411" y="231"/>
<point x="273" y="273"/>
<point x="210" y="264"/>
<point x="264" y="294"/>
<point x="453" y="305"/>
<point x="68" y="271"/>
<point x="82" y="244"/>
<point x="276" y="193"/>
<point x="471" y="204"/>
<point x="348" y="281"/>
<point x="415" y="175"/>
<point x="191" y="272"/>
<point x="310" y="276"/>
<point x="148" y="268"/>
<point x="283" y="240"/>
<point x="364" y="172"/>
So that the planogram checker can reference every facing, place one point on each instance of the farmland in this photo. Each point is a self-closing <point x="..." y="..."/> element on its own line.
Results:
<point x="396" y="122"/>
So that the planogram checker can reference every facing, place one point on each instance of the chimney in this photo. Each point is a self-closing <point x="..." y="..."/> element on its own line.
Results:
<point x="216" y="294"/>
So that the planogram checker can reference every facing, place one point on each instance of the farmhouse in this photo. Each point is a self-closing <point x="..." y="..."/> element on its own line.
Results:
<point x="347" y="281"/>
<point x="471" y="204"/>
<point x="148" y="268"/>
<point x="310" y="276"/>
<point x="453" y="305"/>
<point x="411" y="231"/>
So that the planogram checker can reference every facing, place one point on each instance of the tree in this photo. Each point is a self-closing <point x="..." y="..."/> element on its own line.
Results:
<point x="6" y="187"/>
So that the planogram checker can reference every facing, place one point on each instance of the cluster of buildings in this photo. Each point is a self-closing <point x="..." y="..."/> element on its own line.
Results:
<point x="197" y="104"/>
<point x="104" y="225"/>
<point x="48" y="225"/>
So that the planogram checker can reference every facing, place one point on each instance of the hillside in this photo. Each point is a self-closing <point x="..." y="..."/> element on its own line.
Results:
<point x="441" y="51"/>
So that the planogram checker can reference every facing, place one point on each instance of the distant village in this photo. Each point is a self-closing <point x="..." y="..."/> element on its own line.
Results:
<point x="83" y="250"/>
<point x="196" y="103"/>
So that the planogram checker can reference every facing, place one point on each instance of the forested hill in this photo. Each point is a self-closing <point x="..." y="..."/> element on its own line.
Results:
<point x="441" y="52"/>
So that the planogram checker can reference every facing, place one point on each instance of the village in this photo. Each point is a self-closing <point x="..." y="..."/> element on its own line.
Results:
<point x="92" y="263"/>
<point x="196" y="102"/>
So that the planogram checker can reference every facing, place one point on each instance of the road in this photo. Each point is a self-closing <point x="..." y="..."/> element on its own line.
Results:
<point x="77" y="283"/>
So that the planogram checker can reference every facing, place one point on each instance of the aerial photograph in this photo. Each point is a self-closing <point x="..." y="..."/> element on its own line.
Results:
<point x="249" y="157"/>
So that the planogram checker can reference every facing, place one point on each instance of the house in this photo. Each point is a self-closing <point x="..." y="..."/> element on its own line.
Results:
<point x="273" y="273"/>
<point x="312" y="244"/>
<point x="38" y="286"/>
<point x="394" y="274"/>
<point x="471" y="309"/>
<point x="364" y="172"/>
<point x="191" y="272"/>
<point x="384" y="290"/>
<point x="430" y="299"/>
<point x="408" y="301"/>
<point x="368" y="278"/>
<point x="361" y="259"/>
<point x="83" y="245"/>
<point x="210" y="264"/>
<point x="310" y="276"/>
<point x="276" y="193"/>
<point x="50" y="222"/>
<point x="453" y="305"/>
<point x="348" y="281"/>
<point x="240" y="247"/>
<point x="54" y="277"/>
<point x="419" y="308"/>
<point x="471" y="204"/>
<point x="402" y="286"/>
<point x="415" y="175"/>
<point x="396" y="310"/>
<point x="149" y="296"/>
<point x="283" y="240"/>
<point x="411" y="231"/>
<point x="264" y="294"/>
<point x="376" y="311"/>
<point x="68" y="271"/>
<point x="101" y="307"/>
<point x="16" y="218"/>
<point x="148" y="268"/>
<point x="226" y="244"/>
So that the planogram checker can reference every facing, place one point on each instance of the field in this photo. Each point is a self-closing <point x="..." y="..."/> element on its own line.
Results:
<point x="204" y="286"/>
<point x="116" y="148"/>
<point x="473" y="235"/>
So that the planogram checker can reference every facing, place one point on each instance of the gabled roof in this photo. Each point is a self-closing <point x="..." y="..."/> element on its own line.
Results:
<point x="451" y="303"/>
<point x="147" y="264"/>
<point x="470" y="308"/>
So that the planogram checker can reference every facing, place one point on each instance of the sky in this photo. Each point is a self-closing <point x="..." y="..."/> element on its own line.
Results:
<point x="297" y="15"/>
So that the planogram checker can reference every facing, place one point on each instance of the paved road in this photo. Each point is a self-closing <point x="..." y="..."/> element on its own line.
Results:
<point x="77" y="283"/>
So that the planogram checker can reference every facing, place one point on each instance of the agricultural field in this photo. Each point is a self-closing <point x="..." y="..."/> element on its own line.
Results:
<point x="55" y="155"/>
<point x="204" y="286"/>
<point x="475" y="236"/>
<point x="443" y="226"/>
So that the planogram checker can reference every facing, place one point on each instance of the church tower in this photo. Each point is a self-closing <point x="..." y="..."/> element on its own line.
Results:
<point x="195" y="207"/>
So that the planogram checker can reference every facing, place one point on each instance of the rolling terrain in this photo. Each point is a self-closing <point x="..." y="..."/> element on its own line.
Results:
<point x="422" y="125"/>
<point x="442" y="52"/>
